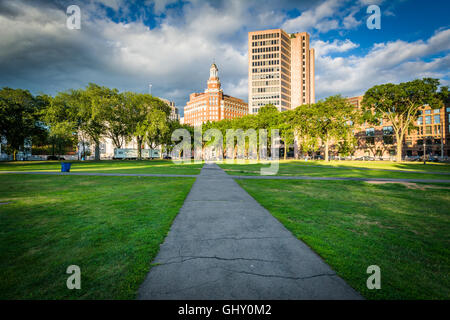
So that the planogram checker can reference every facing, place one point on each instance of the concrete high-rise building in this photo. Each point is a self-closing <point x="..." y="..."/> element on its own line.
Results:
<point x="280" y="69"/>
<point x="174" y="115"/>
<point x="213" y="104"/>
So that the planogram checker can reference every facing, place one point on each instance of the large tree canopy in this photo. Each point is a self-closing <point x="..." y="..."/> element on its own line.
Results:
<point x="20" y="117"/>
<point x="401" y="103"/>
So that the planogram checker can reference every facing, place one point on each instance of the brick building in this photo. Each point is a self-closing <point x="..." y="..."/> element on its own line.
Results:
<point x="433" y="129"/>
<point x="213" y="104"/>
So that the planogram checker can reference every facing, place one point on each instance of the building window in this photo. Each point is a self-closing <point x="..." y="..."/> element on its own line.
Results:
<point x="436" y="110"/>
<point x="428" y="111"/>
<point x="387" y="131"/>
<point x="428" y="120"/>
<point x="437" y="118"/>
<point x="388" y="139"/>
<point x="370" y="132"/>
<point x="420" y="121"/>
<point x="428" y="130"/>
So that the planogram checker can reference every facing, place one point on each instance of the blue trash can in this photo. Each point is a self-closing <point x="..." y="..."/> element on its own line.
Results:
<point x="65" y="166"/>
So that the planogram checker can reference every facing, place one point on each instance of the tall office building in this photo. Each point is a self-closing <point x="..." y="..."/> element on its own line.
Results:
<point x="280" y="69"/>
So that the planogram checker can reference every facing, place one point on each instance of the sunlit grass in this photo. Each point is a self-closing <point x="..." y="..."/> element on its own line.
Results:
<point x="403" y="229"/>
<point x="109" y="226"/>
<point x="356" y="169"/>
<point x="107" y="166"/>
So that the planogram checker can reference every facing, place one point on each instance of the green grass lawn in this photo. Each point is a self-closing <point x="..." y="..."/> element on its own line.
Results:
<point x="405" y="230"/>
<point x="107" y="166"/>
<point x="356" y="169"/>
<point x="111" y="227"/>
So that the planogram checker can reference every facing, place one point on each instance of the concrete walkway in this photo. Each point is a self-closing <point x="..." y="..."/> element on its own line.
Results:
<point x="341" y="178"/>
<point x="57" y="173"/>
<point x="102" y="174"/>
<point x="224" y="245"/>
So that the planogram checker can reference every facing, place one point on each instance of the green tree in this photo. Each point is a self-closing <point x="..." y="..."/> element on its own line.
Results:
<point x="117" y="117"/>
<point x="333" y="119"/>
<point x="20" y="117"/>
<point x="286" y="126"/>
<point x="400" y="104"/>
<point x="148" y="119"/>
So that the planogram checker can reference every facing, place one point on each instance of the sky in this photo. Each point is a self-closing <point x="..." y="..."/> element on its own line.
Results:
<point x="171" y="44"/>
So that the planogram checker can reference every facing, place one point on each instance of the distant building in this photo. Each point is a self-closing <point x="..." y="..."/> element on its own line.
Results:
<point x="379" y="141"/>
<point x="182" y="120"/>
<point x="213" y="104"/>
<point x="174" y="115"/>
<point x="280" y="70"/>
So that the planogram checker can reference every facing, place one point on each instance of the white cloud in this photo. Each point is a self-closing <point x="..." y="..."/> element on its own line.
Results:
<point x="395" y="61"/>
<point x="324" y="47"/>
<point x="39" y="53"/>
<point x="320" y="18"/>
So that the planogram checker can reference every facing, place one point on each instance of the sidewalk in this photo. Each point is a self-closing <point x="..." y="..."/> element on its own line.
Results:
<point x="224" y="245"/>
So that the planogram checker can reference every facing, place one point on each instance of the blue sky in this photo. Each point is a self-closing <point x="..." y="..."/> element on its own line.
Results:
<point x="171" y="44"/>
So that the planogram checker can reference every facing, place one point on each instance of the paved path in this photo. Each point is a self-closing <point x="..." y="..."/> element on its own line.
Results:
<point x="341" y="178"/>
<point x="57" y="173"/>
<point x="224" y="245"/>
<point x="232" y="176"/>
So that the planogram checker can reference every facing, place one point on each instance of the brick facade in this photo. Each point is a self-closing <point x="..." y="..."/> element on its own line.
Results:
<point x="213" y="104"/>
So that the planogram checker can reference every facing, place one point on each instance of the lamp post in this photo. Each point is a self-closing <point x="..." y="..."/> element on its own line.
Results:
<point x="424" y="150"/>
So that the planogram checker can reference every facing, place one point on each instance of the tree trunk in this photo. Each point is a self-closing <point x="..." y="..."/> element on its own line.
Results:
<point x="97" y="151"/>
<point x="326" y="150"/>
<point x="398" y="156"/>
<point x="139" y="142"/>
<point x="14" y="155"/>
<point x="285" y="150"/>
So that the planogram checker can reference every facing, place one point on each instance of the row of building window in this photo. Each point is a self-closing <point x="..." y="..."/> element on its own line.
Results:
<point x="429" y="111"/>
<point x="266" y="83"/>
<point x="265" y="36"/>
<point x="430" y="130"/>
<point x="265" y="43"/>
<point x="388" y="130"/>
<point x="265" y="49"/>
<point x="265" y="63"/>
<point x="265" y="97"/>
<point x="266" y="76"/>
<point x="286" y="46"/>
<point x="263" y="103"/>
<point x="437" y="119"/>
<point x="266" y="89"/>
<point x="264" y="70"/>
<point x="266" y="56"/>
<point x="285" y="38"/>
